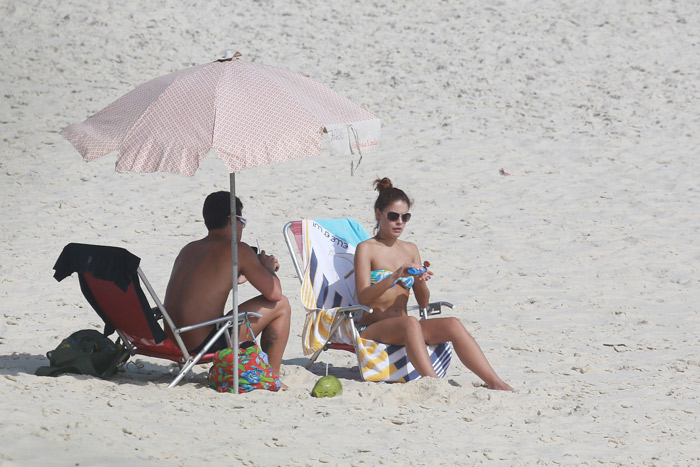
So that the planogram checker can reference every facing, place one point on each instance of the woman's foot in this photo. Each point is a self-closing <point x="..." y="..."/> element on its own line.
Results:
<point x="501" y="385"/>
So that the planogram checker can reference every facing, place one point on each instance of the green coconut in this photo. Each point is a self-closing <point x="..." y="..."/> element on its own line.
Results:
<point x="328" y="386"/>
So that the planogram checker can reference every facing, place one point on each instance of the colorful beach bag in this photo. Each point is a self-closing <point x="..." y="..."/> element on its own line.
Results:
<point x="254" y="370"/>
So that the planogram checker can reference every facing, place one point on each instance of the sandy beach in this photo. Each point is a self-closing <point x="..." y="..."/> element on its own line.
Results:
<point x="576" y="268"/>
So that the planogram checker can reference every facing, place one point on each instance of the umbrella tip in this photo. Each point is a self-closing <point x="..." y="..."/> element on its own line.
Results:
<point x="228" y="55"/>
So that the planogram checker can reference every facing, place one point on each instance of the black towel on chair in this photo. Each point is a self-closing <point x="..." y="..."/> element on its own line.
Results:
<point x="106" y="263"/>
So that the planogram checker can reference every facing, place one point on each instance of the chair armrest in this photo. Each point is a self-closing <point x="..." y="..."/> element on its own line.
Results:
<point x="242" y="316"/>
<point x="355" y="312"/>
<point x="433" y="308"/>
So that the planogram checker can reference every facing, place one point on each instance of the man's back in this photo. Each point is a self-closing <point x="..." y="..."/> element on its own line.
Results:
<point x="199" y="285"/>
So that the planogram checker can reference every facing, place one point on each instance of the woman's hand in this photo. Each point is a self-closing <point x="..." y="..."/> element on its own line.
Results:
<point x="424" y="276"/>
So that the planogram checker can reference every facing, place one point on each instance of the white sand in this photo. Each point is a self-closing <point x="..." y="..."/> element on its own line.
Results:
<point x="578" y="274"/>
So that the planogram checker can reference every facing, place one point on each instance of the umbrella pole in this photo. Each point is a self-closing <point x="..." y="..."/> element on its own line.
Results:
<point x="234" y="288"/>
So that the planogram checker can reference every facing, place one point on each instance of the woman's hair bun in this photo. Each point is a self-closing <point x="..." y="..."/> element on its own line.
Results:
<point x="382" y="184"/>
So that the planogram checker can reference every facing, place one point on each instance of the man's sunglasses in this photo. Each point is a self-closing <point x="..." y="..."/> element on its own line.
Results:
<point x="394" y="216"/>
<point x="243" y="220"/>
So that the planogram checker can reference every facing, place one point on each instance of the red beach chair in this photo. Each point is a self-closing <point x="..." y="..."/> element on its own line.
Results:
<point x="110" y="279"/>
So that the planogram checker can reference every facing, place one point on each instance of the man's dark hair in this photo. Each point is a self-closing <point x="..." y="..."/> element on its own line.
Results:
<point x="217" y="209"/>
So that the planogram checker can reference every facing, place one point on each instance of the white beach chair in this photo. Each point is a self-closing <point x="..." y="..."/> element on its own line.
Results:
<point x="326" y="250"/>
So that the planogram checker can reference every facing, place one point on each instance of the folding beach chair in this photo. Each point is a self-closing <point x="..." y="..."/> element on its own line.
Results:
<point x="326" y="249"/>
<point x="109" y="279"/>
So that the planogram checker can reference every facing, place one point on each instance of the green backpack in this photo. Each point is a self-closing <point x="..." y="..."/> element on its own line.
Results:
<point x="85" y="352"/>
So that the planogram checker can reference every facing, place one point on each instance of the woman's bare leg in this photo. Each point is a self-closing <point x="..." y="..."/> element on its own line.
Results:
<point x="439" y="330"/>
<point x="405" y="330"/>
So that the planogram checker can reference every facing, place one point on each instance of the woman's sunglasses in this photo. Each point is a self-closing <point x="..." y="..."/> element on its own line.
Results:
<point x="394" y="216"/>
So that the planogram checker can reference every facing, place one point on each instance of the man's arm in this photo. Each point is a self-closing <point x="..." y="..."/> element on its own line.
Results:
<point x="259" y="272"/>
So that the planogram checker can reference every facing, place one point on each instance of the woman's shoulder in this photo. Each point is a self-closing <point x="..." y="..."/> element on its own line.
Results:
<point x="407" y="245"/>
<point x="368" y="247"/>
<point x="369" y="242"/>
<point x="409" y="249"/>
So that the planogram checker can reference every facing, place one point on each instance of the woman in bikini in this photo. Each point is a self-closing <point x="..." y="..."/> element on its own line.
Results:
<point x="383" y="283"/>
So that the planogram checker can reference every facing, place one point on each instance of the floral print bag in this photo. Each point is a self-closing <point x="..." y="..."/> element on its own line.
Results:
<point x="254" y="371"/>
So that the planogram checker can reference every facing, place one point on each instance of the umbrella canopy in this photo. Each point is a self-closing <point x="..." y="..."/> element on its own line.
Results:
<point x="250" y="114"/>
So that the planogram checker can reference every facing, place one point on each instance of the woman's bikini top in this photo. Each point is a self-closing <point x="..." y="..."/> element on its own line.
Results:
<point x="379" y="274"/>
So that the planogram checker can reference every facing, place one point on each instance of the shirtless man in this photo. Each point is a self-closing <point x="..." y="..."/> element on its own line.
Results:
<point x="200" y="284"/>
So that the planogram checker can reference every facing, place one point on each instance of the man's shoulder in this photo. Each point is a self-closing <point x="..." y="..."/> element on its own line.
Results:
<point x="205" y="247"/>
<point x="245" y="252"/>
<point x="188" y="249"/>
<point x="194" y="246"/>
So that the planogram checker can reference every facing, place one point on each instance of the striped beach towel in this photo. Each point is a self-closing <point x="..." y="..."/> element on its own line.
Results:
<point x="328" y="248"/>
